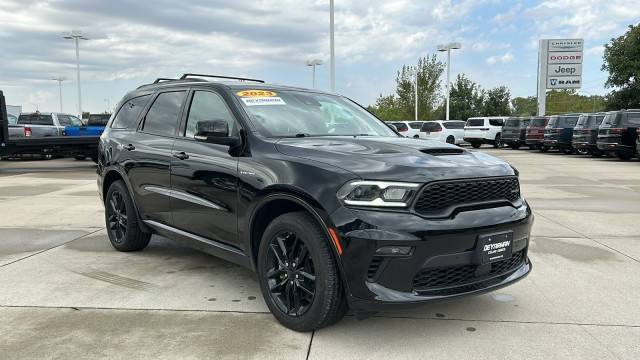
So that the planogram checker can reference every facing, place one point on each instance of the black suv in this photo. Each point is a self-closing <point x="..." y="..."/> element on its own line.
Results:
<point x="585" y="134"/>
<point x="331" y="208"/>
<point x="558" y="133"/>
<point x="618" y="133"/>
<point x="514" y="131"/>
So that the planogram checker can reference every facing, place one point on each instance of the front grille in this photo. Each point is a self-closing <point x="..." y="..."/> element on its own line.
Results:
<point x="455" y="276"/>
<point x="440" y="196"/>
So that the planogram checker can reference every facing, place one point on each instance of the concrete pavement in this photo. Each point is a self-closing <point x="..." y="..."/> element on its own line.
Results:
<point x="66" y="294"/>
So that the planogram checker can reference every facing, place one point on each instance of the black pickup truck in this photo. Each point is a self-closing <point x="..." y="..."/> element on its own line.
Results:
<point x="52" y="144"/>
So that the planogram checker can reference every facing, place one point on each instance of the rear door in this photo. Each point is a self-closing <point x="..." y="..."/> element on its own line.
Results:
<point x="149" y="160"/>
<point x="204" y="176"/>
<point x="475" y="128"/>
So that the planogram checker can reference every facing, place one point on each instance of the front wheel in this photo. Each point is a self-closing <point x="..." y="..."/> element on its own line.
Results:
<point x="298" y="273"/>
<point x="476" y="145"/>
<point x="567" y="150"/>
<point x="497" y="143"/>
<point x="514" y="146"/>
<point x="121" y="220"/>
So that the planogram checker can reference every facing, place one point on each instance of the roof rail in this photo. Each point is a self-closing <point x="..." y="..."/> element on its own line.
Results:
<point x="185" y="76"/>
<point x="163" y="79"/>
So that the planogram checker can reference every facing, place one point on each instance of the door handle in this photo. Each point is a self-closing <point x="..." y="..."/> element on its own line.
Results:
<point x="129" y="147"/>
<point x="181" y="155"/>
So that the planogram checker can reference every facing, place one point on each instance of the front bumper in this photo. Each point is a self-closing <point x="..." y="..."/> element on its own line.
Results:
<point x="443" y="262"/>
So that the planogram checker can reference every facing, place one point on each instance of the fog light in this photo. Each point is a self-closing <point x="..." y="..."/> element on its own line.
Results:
<point x="394" y="250"/>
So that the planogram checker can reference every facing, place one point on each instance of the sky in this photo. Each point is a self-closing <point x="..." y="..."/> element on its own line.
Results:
<point x="133" y="42"/>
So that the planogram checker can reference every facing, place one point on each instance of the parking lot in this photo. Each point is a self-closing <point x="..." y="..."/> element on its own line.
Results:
<point x="66" y="293"/>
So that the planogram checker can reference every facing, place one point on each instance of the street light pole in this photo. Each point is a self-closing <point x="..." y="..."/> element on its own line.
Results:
<point x="448" y="48"/>
<point x="59" y="79"/>
<point x="77" y="36"/>
<point x="332" y="46"/>
<point x="313" y="63"/>
<point x="416" y="93"/>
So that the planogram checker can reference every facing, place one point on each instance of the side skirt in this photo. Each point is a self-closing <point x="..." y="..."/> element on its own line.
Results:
<point x="208" y="246"/>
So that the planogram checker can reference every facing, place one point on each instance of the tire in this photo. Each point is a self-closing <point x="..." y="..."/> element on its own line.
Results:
<point x="497" y="143"/>
<point x="476" y="145"/>
<point x="623" y="155"/>
<point x="327" y="304"/>
<point x="450" y="139"/>
<point x="582" y="151"/>
<point x="568" y="150"/>
<point x="533" y="147"/>
<point x="514" y="146"/>
<point x="121" y="220"/>
<point x="416" y="137"/>
<point x="80" y="157"/>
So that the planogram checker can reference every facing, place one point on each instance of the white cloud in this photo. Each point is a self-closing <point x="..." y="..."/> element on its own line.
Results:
<point x="508" y="57"/>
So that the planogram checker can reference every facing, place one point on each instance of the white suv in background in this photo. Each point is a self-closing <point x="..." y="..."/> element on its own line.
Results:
<point x="408" y="129"/>
<point x="450" y="131"/>
<point x="484" y="130"/>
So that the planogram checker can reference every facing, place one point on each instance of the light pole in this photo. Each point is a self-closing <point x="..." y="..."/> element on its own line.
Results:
<point x="59" y="79"/>
<point x="108" y="102"/>
<point x="416" y="92"/>
<point x="332" y="46"/>
<point x="448" y="47"/>
<point x="77" y="35"/>
<point x="313" y="63"/>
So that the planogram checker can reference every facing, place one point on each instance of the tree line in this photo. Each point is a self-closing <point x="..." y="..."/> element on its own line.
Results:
<point x="469" y="99"/>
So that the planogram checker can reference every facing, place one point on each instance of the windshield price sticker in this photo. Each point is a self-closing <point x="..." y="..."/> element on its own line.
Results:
<point x="257" y="101"/>
<point x="256" y="93"/>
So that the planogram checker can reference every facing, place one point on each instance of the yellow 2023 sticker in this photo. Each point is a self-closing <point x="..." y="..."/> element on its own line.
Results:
<point x="256" y="93"/>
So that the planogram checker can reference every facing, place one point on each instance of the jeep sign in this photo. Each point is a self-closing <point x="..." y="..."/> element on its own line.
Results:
<point x="559" y="67"/>
<point x="564" y="70"/>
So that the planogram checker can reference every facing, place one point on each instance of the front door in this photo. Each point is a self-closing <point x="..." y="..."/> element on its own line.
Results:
<point x="204" y="176"/>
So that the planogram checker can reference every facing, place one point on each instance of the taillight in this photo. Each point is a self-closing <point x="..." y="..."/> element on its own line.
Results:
<point x="403" y="130"/>
<point x="437" y="130"/>
<point x="27" y="131"/>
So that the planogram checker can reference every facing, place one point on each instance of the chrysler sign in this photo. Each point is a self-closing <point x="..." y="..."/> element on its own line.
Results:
<point x="566" y="45"/>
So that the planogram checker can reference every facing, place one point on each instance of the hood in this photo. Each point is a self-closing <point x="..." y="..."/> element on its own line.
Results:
<point x="396" y="158"/>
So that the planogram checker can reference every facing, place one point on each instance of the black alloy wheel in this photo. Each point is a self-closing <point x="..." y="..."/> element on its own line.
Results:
<point x="121" y="220"/>
<point x="451" y="140"/>
<point x="298" y="273"/>
<point x="117" y="217"/>
<point x="497" y="142"/>
<point x="291" y="275"/>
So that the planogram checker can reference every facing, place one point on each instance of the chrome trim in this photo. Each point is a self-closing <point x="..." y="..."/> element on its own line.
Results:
<point x="194" y="237"/>
<point x="184" y="196"/>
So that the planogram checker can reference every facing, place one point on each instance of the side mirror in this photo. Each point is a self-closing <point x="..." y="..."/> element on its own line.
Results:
<point x="215" y="132"/>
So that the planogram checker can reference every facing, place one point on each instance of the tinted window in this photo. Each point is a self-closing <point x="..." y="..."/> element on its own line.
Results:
<point x="552" y="121"/>
<point x="583" y="120"/>
<point x="35" y="119"/>
<point x="525" y="123"/>
<point x="162" y="117"/>
<point x="430" y="126"/>
<point x="512" y="123"/>
<point x="207" y="106"/>
<point x="599" y="119"/>
<point x="401" y="126"/>
<point x="496" y="122"/>
<point x="66" y="120"/>
<point x="415" y="125"/>
<point x="633" y="119"/>
<point x="128" y="115"/>
<point x="453" y="125"/>
<point x="98" y="119"/>
<point x="568" y="121"/>
<point x="538" y="122"/>
<point x="475" y="122"/>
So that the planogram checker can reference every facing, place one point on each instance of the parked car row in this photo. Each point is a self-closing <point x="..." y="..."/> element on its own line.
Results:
<point x="449" y="131"/>
<point x="614" y="133"/>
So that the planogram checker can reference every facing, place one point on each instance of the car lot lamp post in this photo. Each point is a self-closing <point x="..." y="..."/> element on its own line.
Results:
<point x="59" y="79"/>
<point x="448" y="47"/>
<point x="313" y="63"/>
<point x="76" y="36"/>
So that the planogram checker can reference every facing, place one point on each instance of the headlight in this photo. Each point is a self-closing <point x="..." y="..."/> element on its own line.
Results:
<point x="377" y="193"/>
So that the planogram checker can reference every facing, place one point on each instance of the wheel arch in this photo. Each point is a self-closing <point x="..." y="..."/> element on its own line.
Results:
<point x="113" y="174"/>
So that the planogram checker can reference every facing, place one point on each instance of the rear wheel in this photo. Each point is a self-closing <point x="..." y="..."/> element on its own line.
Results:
<point x="497" y="143"/>
<point x="514" y="146"/>
<point x="298" y="273"/>
<point x="79" y="157"/>
<point x="476" y="145"/>
<point x="451" y="139"/>
<point x="121" y="220"/>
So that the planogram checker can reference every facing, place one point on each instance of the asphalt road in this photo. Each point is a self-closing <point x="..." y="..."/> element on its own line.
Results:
<point x="65" y="293"/>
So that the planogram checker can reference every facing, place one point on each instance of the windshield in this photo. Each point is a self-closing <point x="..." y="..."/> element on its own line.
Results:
<point x="512" y="123"/>
<point x="611" y="119"/>
<point x="98" y="119"/>
<point x="538" y="122"/>
<point x="296" y="113"/>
